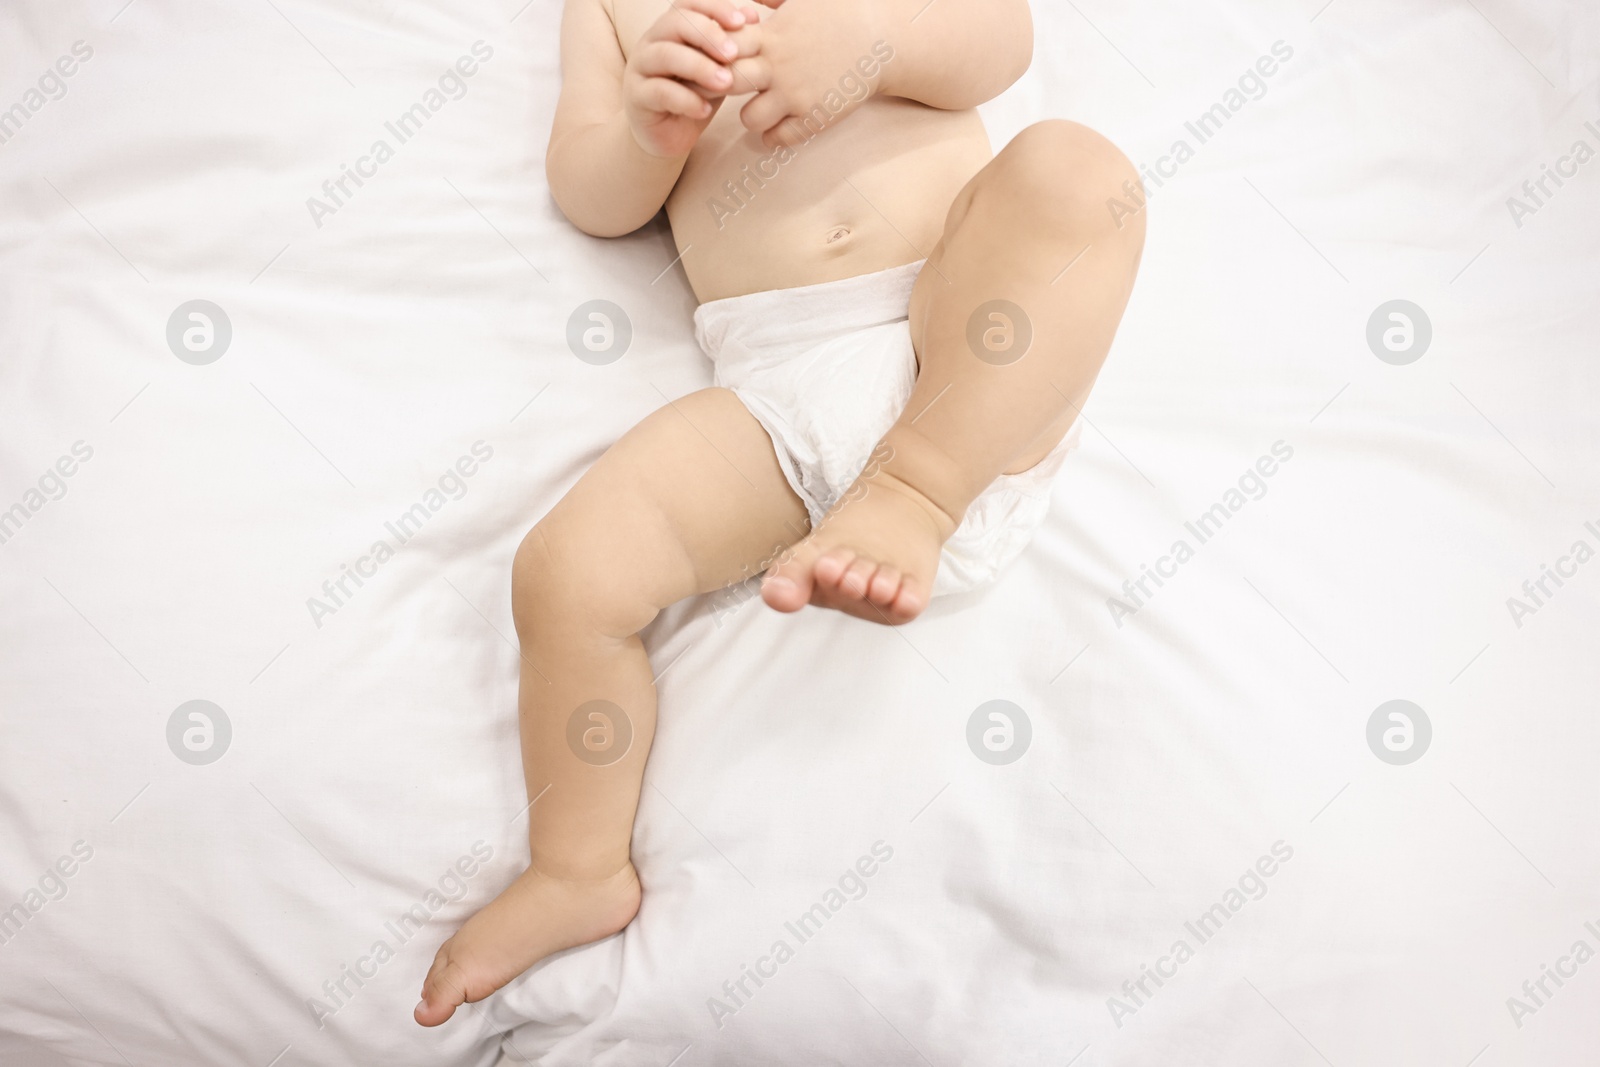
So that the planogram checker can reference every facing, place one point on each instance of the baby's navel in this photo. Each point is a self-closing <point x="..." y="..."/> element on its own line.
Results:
<point x="837" y="234"/>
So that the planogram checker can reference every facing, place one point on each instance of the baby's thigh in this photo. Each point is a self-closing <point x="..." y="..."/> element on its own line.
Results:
<point x="690" y="500"/>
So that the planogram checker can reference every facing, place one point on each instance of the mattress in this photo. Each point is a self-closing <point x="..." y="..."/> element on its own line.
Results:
<point x="1277" y="747"/>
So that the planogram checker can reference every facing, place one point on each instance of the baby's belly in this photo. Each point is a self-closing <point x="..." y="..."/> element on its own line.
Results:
<point x="868" y="193"/>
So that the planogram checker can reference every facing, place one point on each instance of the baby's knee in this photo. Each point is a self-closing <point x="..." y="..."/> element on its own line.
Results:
<point x="1066" y="175"/>
<point x="559" y="588"/>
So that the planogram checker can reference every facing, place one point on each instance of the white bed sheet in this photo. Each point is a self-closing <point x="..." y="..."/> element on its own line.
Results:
<point x="373" y="749"/>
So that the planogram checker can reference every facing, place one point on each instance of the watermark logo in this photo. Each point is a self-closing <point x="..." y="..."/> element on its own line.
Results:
<point x="199" y="332"/>
<point x="450" y="887"/>
<point x="1538" y="592"/>
<point x="1537" y="992"/>
<point x="1251" y="85"/>
<point x="1250" y="886"/>
<point x="999" y="333"/>
<point x="850" y="885"/>
<point x="999" y="732"/>
<point x="52" y="486"/>
<point x="1251" y="485"/>
<point x="199" y="732"/>
<point x="599" y="732"/>
<point x="880" y="457"/>
<point x="1399" y="732"/>
<point x="599" y="332"/>
<point x="728" y="600"/>
<point x="1538" y="192"/>
<point x="51" y="85"/>
<point x="339" y="190"/>
<point x="854" y="86"/>
<point x="51" y="886"/>
<point x="337" y="592"/>
<point x="1399" y="332"/>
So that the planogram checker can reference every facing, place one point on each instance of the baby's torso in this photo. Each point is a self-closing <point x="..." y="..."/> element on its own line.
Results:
<point x="869" y="192"/>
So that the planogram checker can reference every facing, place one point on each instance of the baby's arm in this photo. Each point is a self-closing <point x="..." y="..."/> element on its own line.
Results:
<point x="955" y="54"/>
<point x="950" y="54"/>
<point x="624" y="126"/>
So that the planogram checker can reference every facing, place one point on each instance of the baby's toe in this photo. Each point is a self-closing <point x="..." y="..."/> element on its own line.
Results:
<point x="857" y="579"/>
<point x="787" y="587"/>
<point x="831" y="567"/>
<point x="443" y="990"/>
<point x="909" y="602"/>
<point x="884" y="585"/>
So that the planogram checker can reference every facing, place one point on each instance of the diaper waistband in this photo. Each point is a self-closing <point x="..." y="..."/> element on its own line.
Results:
<point x="806" y="315"/>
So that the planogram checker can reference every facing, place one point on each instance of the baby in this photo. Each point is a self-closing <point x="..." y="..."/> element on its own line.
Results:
<point x="903" y="327"/>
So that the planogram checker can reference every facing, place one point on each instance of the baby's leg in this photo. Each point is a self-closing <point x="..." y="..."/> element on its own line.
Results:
<point x="1033" y="229"/>
<point x="687" y="502"/>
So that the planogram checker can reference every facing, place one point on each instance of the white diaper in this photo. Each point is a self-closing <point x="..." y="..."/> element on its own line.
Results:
<point x="826" y="369"/>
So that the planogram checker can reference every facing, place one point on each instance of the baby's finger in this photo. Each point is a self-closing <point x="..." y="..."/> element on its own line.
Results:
<point x="701" y="32"/>
<point x="752" y="75"/>
<point x="788" y="134"/>
<point x="703" y="93"/>
<point x="763" y="112"/>
<point x="747" y="41"/>
<point x="672" y="98"/>
<point x="726" y="13"/>
<point x="669" y="59"/>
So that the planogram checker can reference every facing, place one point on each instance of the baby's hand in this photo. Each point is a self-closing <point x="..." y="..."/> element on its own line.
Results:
<point x="678" y="74"/>
<point x="812" y="55"/>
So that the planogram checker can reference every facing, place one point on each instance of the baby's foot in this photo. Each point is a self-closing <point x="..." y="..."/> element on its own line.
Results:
<point x="535" y="916"/>
<point x="874" y="556"/>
